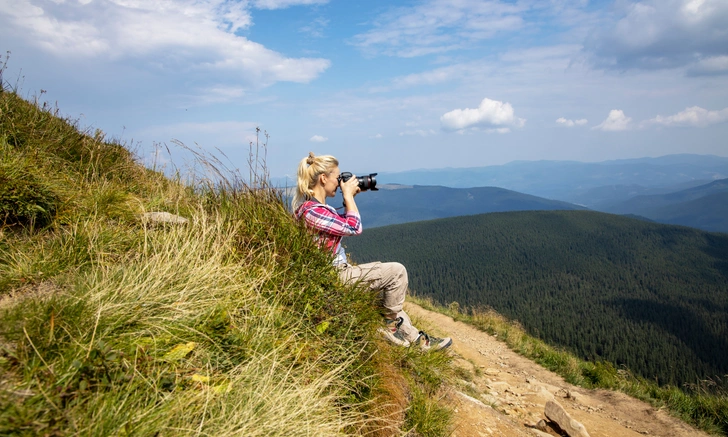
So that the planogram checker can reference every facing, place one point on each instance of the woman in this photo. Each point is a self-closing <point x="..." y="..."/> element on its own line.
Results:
<point x="318" y="178"/>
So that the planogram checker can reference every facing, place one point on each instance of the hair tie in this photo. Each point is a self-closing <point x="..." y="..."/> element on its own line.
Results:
<point x="311" y="158"/>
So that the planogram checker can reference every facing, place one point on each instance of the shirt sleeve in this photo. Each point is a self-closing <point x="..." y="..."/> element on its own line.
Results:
<point x="325" y="220"/>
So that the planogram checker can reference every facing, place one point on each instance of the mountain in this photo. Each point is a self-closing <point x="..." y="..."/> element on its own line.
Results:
<point x="704" y="207"/>
<point x="394" y="204"/>
<point x="603" y="197"/>
<point x="571" y="181"/>
<point x="649" y="296"/>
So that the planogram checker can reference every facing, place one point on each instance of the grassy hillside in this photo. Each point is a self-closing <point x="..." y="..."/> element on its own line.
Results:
<point x="233" y="324"/>
<point x="648" y="296"/>
<point x="403" y="204"/>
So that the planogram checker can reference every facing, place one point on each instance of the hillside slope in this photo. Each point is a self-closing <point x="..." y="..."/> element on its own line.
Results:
<point x="229" y="321"/>
<point x="649" y="296"/>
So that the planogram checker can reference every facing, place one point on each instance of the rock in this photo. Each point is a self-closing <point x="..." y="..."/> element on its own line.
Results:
<point x="163" y="218"/>
<point x="541" y="426"/>
<point x="556" y="413"/>
<point x="544" y="395"/>
<point x="492" y="372"/>
<point x="540" y="433"/>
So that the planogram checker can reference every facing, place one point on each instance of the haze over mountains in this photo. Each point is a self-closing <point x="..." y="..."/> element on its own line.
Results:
<point x="579" y="182"/>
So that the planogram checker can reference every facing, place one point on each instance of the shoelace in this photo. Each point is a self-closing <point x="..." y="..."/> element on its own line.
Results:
<point x="427" y="337"/>
<point x="397" y="322"/>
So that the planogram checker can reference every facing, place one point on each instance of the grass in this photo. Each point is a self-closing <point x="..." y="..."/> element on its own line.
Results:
<point x="704" y="405"/>
<point x="233" y="324"/>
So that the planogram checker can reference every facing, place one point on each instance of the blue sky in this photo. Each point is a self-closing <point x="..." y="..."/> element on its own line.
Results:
<point x="382" y="85"/>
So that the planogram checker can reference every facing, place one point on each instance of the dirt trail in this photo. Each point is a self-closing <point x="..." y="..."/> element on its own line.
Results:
<point x="511" y="392"/>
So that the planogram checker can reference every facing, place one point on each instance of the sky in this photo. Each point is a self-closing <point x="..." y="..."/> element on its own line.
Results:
<point x="384" y="86"/>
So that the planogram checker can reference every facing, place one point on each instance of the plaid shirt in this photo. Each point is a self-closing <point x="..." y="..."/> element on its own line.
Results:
<point x="329" y="224"/>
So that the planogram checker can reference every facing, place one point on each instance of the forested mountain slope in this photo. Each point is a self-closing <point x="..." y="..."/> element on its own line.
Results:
<point x="649" y="296"/>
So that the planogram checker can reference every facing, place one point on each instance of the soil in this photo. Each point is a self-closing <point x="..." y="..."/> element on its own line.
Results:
<point x="504" y="394"/>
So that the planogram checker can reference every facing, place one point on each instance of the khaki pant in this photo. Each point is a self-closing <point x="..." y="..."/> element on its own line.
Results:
<point x="390" y="279"/>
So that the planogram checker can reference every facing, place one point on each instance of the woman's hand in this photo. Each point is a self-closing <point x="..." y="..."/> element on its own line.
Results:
<point x="350" y="187"/>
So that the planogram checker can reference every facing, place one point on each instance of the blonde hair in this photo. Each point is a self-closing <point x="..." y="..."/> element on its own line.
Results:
<point x="309" y="169"/>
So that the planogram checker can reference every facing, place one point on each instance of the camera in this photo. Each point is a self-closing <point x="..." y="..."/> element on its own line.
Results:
<point x="368" y="182"/>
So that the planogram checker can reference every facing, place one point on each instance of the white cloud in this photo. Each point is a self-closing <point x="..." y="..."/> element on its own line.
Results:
<point x="318" y="139"/>
<point x="616" y="121"/>
<point x="179" y="36"/>
<point x="437" y="26"/>
<point x="654" y="34"/>
<point x="489" y="114"/>
<point x="714" y="65"/>
<point x="694" y="116"/>
<point x="316" y="28"/>
<point x="281" y="4"/>
<point x="571" y="123"/>
<point x="376" y="137"/>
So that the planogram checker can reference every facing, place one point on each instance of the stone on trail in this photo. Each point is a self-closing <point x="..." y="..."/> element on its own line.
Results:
<point x="556" y="413"/>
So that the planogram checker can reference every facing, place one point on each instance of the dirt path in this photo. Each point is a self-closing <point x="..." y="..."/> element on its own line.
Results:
<point x="511" y="391"/>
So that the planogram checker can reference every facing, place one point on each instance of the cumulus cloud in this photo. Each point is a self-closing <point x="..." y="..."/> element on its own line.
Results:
<point x="694" y="116"/>
<point x="653" y="34"/>
<point x="437" y="26"/>
<point x="616" y="121"/>
<point x="490" y="114"/>
<point x="571" y="123"/>
<point x="174" y="35"/>
<point x="318" y="139"/>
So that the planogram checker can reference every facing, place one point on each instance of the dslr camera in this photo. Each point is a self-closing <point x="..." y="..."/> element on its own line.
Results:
<point x="368" y="182"/>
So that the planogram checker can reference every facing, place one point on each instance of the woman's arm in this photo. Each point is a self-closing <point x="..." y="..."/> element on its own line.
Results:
<point x="326" y="219"/>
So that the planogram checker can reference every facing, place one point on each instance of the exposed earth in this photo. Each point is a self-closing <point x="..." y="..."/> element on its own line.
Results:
<point x="507" y="393"/>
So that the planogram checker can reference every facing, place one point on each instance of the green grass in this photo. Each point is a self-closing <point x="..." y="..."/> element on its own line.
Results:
<point x="233" y="324"/>
<point x="704" y="405"/>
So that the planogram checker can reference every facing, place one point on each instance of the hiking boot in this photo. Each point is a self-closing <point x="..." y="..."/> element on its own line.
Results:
<point x="392" y="332"/>
<point x="428" y="343"/>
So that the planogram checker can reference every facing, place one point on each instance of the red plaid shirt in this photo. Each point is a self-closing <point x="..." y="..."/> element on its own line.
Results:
<point x="329" y="224"/>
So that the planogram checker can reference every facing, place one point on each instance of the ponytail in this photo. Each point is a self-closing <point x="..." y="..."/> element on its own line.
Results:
<point x="309" y="170"/>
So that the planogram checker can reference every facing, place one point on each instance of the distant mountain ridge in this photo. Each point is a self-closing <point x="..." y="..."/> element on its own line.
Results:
<point x="704" y="207"/>
<point x="570" y="180"/>
<point x="394" y="204"/>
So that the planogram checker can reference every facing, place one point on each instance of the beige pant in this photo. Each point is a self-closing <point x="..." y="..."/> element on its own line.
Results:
<point x="390" y="279"/>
